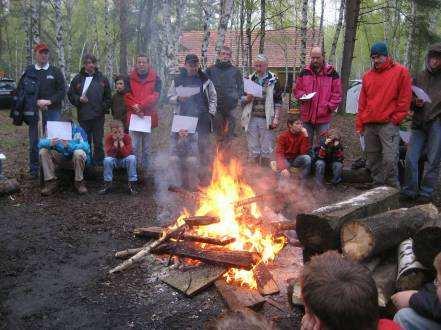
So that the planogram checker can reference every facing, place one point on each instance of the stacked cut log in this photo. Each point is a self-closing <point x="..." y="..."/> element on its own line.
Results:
<point x="411" y="273"/>
<point x="427" y="242"/>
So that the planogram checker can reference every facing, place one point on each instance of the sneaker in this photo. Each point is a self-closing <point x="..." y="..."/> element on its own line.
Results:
<point x="80" y="187"/>
<point x="106" y="189"/>
<point x="131" y="189"/>
<point x="49" y="187"/>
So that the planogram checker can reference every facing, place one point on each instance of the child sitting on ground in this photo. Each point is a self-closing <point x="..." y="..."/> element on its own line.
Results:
<point x="329" y="153"/>
<point x="118" y="104"/>
<point x="421" y="309"/>
<point x="340" y="294"/>
<point x="118" y="148"/>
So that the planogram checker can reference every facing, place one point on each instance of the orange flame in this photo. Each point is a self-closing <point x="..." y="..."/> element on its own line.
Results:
<point x="218" y="200"/>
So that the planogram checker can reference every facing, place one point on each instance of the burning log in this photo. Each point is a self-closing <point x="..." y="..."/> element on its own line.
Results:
<point x="251" y="200"/>
<point x="155" y="232"/>
<point x="193" y="281"/>
<point x="168" y="233"/>
<point x="238" y="297"/>
<point x="426" y="242"/>
<point x="237" y="259"/>
<point x="364" y="238"/>
<point x="411" y="273"/>
<point x="320" y="230"/>
<point x="203" y="220"/>
<point x="265" y="282"/>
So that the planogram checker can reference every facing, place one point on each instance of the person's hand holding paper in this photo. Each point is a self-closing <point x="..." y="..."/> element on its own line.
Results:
<point x="184" y="123"/>
<point x="59" y="130"/>
<point x="307" y="97"/>
<point x="250" y="87"/>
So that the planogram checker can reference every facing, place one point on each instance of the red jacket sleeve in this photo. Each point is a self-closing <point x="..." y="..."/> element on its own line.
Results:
<point x="304" y="145"/>
<point x="336" y="92"/>
<point x="127" y="150"/>
<point x="130" y="101"/>
<point x="299" y="89"/>
<point x="361" y="108"/>
<point x="109" y="147"/>
<point x="404" y="98"/>
<point x="280" y="153"/>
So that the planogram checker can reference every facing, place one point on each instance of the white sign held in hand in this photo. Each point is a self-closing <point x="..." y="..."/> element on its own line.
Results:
<point x="308" y="96"/>
<point x="140" y="124"/>
<point x="421" y="94"/>
<point x="187" y="91"/>
<point x="60" y="130"/>
<point x="184" y="123"/>
<point x="250" y="87"/>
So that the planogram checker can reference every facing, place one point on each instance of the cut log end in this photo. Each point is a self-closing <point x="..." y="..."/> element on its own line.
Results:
<point x="357" y="241"/>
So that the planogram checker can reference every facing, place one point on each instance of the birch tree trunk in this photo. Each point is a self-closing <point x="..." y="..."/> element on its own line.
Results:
<point x="122" y="7"/>
<point x="59" y="36"/>
<point x="206" y="38"/>
<point x="351" y="18"/>
<point x="320" y="38"/>
<point x="241" y="25"/>
<point x="139" y="25"/>
<point x="303" y="32"/>
<point x="109" y="48"/>
<point x="4" y="11"/>
<point x="262" y="26"/>
<point x="337" y="31"/>
<point x="27" y="21"/>
<point x="313" y="20"/>
<point x="411" y="36"/>
<point x="69" y="11"/>
<point x="226" y="8"/>
<point x="296" y="39"/>
<point x="35" y="23"/>
<point x="249" y="46"/>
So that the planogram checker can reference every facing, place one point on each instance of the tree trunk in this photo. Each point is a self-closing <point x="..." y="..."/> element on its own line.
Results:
<point x="304" y="32"/>
<point x="139" y="25"/>
<point x="108" y="38"/>
<point x="337" y="32"/>
<point x="95" y="49"/>
<point x="27" y="22"/>
<point x="319" y="230"/>
<point x="313" y="21"/>
<point x="226" y="9"/>
<point x="69" y="10"/>
<point x="427" y="242"/>
<point x="59" y="36"/>
<point x="249" y="46"/>
<point x="351" y="18"/>
<point x="412" y="26"/>
<point x="122" y="7"/>
<point x="35" y="23"/>
<point x="321" y="39"/>
<point x="364" y="238"/>
<point x="262" y="26"/>
<point x="241" y="43"/>
<point x="206" y="38"/>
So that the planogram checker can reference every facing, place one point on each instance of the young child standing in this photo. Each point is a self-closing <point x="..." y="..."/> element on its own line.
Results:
<point x="118" y="105"/>
<point x="329" y="153"/>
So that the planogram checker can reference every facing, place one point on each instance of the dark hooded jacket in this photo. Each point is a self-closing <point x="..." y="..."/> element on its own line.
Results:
<point x="228" y="81"/>
<point x="430" y="82"/>
<point x="99" y="95"/>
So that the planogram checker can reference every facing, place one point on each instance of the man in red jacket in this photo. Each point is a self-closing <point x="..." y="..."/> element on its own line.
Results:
<point x="320" y="78"/>
<point x="292" y="149"/>
<point x="145" y="89"/>
<point x="118" y="147"/>
<point x="383" y="104"/>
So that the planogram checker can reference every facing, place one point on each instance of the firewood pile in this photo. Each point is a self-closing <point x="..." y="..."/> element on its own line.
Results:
<point x="398" y="245"/>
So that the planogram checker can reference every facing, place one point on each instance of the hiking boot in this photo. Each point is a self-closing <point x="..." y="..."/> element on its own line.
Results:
<point x="80" y="187"/>
<point x="49" y="187"/>
<point x="106" y="189"/>
<point x="131" y="189"/>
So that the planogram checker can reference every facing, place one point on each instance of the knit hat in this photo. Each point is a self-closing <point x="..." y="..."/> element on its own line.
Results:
<point x="379" y="48"/>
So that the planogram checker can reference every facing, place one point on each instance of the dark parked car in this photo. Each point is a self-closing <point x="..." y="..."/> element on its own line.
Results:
<point x="7" y="92"/>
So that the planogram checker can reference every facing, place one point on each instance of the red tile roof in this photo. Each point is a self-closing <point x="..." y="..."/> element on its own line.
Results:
<point x="276" y="42"/>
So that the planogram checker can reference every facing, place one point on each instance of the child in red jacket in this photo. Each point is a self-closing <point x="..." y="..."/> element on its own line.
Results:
<point x="329" y="153"/>
<point x="118" y="148"/>
<point x="292" y="149"/>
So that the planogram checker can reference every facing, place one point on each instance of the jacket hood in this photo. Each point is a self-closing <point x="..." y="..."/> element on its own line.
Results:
<point x="433" y="49"/>
<point x="326" y="69"/>
<point x="151" y="74"/>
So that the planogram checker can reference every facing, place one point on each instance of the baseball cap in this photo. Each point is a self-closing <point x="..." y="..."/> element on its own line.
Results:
<point x="41" y="47"/>
<point x="192" y="58"/>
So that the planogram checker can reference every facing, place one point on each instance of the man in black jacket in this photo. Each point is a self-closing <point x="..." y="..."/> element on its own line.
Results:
<point x="41" y="87"/>
<point x="227" y="80"/>
<point x="90" y="93"/>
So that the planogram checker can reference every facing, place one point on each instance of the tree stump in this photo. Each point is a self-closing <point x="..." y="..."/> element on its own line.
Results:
<point x="427" y="242"/>
<point x="364" y="238"/>
<point x="320" y="230"/>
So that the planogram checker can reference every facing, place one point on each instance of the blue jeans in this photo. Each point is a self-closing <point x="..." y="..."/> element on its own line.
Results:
<point x="141" y="148"/>
<point x="48" y="115"/>
<point x="260" y="138"/>
<point x="303" y="162"/>
<point x="315" y="129"/>
<point x="320" y="167"/>
<point x="408" y="319"/>
<point x="420" y="141"/>
<point x="129" y="163"/>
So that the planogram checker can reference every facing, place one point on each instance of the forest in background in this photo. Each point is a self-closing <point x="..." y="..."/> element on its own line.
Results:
<point x="116" y="30"/>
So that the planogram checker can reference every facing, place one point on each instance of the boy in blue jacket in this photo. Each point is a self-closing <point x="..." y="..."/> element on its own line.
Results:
<point x="65" y="154"/>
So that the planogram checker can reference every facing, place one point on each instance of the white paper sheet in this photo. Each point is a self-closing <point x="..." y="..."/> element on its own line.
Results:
<point x="59" y="130"/>
<point x="2" y="156"/>
<point x="308" y="96"/>
<point x="184" y="122"/>
<point x="138" y="124"/>
<point x="250" y="87"/>
<point x="86" y="85"/>
<point x="421" y="94"/>
<point x="187" y="91"/>
<point x="362" y="143"/>
<point x="405" y="136"/>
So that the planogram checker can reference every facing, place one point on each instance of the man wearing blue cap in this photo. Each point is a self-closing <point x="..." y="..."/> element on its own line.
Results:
<point x="383" y="104"/>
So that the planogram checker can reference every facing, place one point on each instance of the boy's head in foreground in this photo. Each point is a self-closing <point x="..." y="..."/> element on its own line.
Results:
<point x="339" y="294"/>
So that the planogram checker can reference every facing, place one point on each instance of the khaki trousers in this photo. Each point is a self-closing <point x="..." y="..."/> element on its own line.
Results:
<point x="51" y="158"/>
